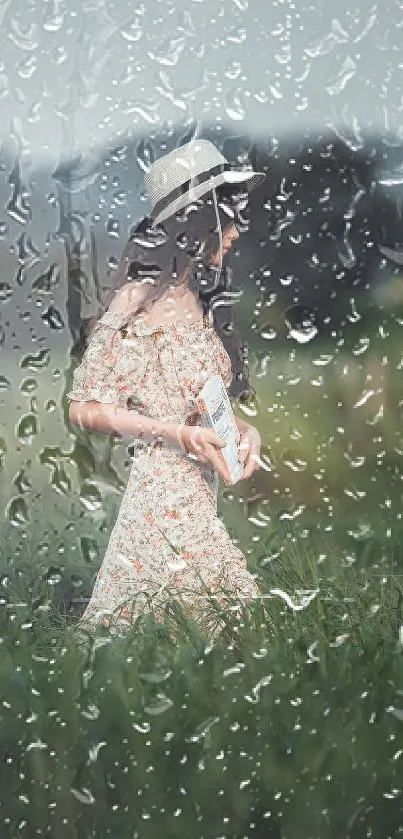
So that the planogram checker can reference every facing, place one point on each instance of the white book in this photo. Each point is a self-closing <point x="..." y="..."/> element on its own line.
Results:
<point x="216" y="412"/>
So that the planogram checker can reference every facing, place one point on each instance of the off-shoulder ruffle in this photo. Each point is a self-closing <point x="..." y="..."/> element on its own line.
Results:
<point x="112" y="368"/>
<point x="118" y="365"/>
<point x="116" y="320"/>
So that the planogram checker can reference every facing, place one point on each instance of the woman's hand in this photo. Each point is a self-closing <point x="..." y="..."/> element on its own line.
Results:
<point x="203" y="444"/>
<point x="249" y="448"/>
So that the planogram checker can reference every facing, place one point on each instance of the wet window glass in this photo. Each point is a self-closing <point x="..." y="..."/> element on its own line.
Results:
<point x="201" y="306"/>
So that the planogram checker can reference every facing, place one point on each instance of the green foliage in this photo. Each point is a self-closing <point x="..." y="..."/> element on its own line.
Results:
<point x="288" y="723"/>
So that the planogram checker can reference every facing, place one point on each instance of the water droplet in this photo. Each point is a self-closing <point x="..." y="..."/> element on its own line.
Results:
<point x="323" y="359"/>
<point x="202" y="730"/>
<point x="169" y="52"/>
<point x="234" y="105"/>
<point x="89" y="549"/>
<point x="113" y="228"/>
<point x="53" y="576"/>
<point x="301" y="325"/>
<point x="156" y="676"/>
<point x="16" y="207"/>
<point x="233" y="69"/>
<point x="120" y="197"/>
<point x="286" y="280"/>
<point x="91" y="498"/>
<point x="161" y="704"/>
<point x="258" y="512"/>
<point x="84" y="795"/>
<point x="47" y="281"/>
<point x="53" y="318"/>
<point x="17" y="512"/>
<point x="355" y="461"/>
<point x="144" y="155"/>
<point x="268" y="332"/>
<point x="36" y="362"/>
<point x="362" y="346"/>
<point x="27" y="67"/>
<point x="301" y="599"/>
<point x="61" y="482"/>
<point x="5" y="383"/>
<point x="293" y="460"/>
<point x="132" y="31"/>
<point x="55" y="21"/>
<point x="27" y="428"/>
<point x="6" y="292"/>
<point x="377" y="416"/>
<point x="353" y="316"/>
<point x="362" y="533"/>
<point x="364" y="398"/>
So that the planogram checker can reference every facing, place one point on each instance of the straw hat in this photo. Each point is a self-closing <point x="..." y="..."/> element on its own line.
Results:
<point x="185" y="174"/>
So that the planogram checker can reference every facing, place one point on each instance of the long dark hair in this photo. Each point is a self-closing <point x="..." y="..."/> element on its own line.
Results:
<point x="179" y="250"/>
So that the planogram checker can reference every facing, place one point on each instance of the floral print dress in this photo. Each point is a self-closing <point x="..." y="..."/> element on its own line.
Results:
<point x="167" y="538"/>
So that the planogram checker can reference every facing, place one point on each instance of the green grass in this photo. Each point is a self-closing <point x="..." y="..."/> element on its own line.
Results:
<point x="286" y="724"/>
<point x="290" y="721"/>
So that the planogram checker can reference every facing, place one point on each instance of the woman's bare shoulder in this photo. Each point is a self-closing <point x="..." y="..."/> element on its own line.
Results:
<point x="127" y="299"/>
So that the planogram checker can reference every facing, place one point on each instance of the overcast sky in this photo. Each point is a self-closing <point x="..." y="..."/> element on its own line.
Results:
<point x="81" y="74"/>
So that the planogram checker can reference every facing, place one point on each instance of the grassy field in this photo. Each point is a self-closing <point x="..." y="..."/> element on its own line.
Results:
<point x="290" y="722"/>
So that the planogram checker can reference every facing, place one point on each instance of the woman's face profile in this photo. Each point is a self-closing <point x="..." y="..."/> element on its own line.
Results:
<point x="228" y="239"/>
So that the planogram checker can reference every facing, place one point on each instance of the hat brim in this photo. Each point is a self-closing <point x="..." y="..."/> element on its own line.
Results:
<point x="251" y="180"/>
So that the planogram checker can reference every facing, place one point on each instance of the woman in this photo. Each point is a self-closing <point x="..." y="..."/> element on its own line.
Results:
<point x="138" y="379"/>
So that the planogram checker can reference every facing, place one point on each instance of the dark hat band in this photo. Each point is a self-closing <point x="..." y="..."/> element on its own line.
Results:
<point x="192" y="182"/>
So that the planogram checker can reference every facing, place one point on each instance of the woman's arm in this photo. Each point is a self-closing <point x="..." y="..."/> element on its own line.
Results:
<point x="108" y="417"/>
<point x="119" y="422"/>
